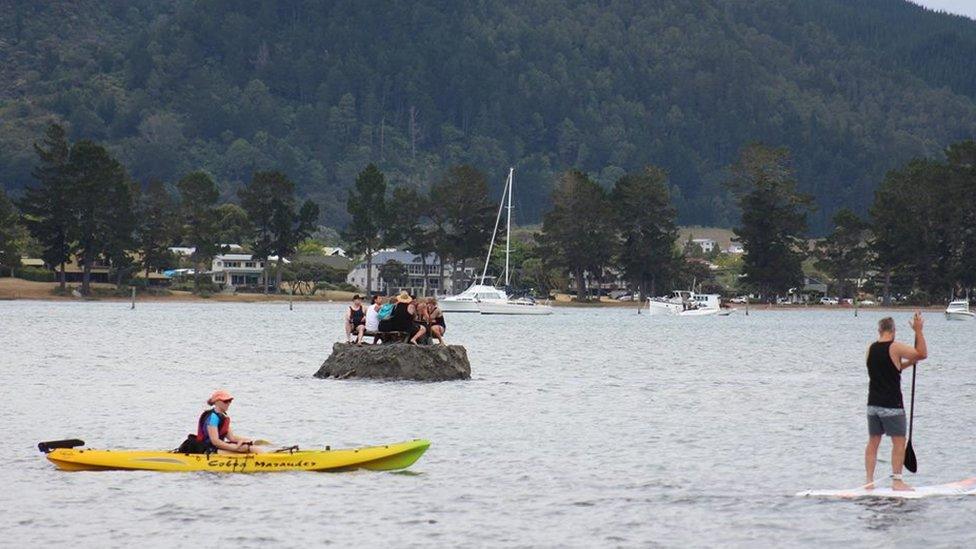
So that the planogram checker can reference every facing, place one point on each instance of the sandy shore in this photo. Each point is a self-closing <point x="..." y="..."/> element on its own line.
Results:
<point x="15" y="288"/>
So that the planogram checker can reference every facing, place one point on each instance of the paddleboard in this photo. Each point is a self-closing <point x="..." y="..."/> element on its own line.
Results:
<point x="965" y="487"/>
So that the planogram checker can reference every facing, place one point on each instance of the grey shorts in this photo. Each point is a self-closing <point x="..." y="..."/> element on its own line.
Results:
<point x="886" y="421"/>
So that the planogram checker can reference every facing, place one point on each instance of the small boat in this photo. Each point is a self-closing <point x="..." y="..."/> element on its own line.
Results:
<point x="959" y="310"/>
<point x="687" y="303"/>
<point x="401" y="455"/>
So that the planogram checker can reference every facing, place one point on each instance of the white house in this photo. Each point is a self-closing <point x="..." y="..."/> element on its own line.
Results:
<point x="706" y="244"/>
<point x="232" y="270"/>
<point x="413" y="282"/>
<point x="735" y="248"/>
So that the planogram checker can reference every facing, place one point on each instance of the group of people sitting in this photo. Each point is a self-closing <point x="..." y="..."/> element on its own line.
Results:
<point x="420" y="319"/>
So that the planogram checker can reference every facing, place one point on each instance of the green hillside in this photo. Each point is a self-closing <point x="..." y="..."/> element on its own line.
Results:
<point x="318" y="89"/>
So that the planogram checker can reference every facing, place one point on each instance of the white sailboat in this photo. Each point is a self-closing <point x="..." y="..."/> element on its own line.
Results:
<point x="489" y="300"/>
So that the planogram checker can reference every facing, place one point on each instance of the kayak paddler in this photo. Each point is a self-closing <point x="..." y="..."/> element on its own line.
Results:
<point x="213" y="427"/>
<point x="886" y="411"/>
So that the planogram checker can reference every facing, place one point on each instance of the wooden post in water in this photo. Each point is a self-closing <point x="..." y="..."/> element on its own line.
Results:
<point x="133" y="306"/>
<point x="291" y="297"/>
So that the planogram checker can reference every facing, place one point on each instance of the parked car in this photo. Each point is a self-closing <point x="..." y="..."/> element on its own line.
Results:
<point x="740" y="299"/>
<point x="829" y="301"/>
<point x="625" y="297"/>
<point x="867" y="303"/>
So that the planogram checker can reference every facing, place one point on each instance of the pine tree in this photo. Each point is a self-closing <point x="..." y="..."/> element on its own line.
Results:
<point x="578" y="233"/>
<point x="269" y="200"/>
<point x="367" y="208"/>
<point x="101" y="203"/>
<point x="158" y="227"/>
<point x="773" y="221"/>
<point x="198" y="197"/>
<point x="46" y="208"/>
<point x="11" y="233"/>
<point x="646" y="221"/>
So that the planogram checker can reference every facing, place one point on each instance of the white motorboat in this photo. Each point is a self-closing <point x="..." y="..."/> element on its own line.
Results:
<point x="959" y="310"/>
<point x="489" y="300"/>
<point x="469" y="300"/>
<point x="687" y="303"/>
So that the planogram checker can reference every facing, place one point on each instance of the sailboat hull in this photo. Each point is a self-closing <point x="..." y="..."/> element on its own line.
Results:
<point x="513" y="309"/>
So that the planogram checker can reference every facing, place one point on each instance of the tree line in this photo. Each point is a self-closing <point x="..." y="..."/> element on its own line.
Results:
<point x="918" y="240"/>
<point x="85" y="206"/>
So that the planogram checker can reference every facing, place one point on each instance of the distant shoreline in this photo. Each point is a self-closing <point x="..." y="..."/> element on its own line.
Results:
<point x="15" y="289"/>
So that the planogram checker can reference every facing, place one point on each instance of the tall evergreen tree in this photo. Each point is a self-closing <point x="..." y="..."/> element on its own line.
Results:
<point x="367" y="209"/>
<point x="463" y="213"/>
<point x="158" y="227"/>
<point x="646" y="220"/>
<point x="102" y="206"/>
<point x="47" y="208"/>
<point x="578" y="233"/>
<point x="198" y="197"/>
<point x="269" y="200"/>
<point x="406" y="227"/>
<point x="11" y="233"/>
<point x="843" y="255"/>
<point x="773" y="221"/>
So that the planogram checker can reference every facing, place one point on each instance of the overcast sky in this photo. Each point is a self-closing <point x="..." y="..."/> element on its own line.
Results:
<point x="962" y="7"/>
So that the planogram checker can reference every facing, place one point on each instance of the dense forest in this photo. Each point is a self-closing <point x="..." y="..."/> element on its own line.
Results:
<point x="318" y="90"/>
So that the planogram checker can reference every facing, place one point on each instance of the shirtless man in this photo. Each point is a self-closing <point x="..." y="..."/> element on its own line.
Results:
<point x="886" y="411"/>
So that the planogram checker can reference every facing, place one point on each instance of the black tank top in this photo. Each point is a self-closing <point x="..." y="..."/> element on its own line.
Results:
<point x="357" y="317"/>
<point x="402" y="319"/>
<point x="885" y="387"/>
<point x="439" y="319"/>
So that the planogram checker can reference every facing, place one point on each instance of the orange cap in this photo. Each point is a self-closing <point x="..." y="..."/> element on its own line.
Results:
<point x="219" y="394"/>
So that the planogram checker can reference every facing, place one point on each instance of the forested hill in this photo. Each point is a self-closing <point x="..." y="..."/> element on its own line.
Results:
<point x="318" y="89"/>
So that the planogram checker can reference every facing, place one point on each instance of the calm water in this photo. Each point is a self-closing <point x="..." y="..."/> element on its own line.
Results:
<point x="585" y="428"/>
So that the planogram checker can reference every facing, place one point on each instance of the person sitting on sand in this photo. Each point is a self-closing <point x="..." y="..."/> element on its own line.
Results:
<point x="356" y="320"/>
<point x="886" y="411"/>
<point x="403" y="318"/>
<point x="435" y="318"/>
<point x="213" y="428"/>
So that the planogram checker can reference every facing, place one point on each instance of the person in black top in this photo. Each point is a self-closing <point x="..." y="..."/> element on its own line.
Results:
<point x="886" y="411"/>
<point x="435" y="317"/>
<point x="356" y="320"/>
<point x="403" y="318"/>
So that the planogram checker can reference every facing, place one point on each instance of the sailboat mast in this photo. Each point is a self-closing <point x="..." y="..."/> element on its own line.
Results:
<point x="508" y="229"/>
<point x="494" y="232"/>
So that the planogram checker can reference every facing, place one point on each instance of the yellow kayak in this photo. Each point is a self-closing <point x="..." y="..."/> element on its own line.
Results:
<point x="375" y="458"/>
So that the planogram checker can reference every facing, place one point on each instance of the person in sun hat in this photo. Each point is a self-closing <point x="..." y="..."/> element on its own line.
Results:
<point x="213" y="427"/>
<point x="403" y="318"/>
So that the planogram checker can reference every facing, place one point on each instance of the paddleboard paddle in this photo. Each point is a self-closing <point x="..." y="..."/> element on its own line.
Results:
<point x="910" y="462"/>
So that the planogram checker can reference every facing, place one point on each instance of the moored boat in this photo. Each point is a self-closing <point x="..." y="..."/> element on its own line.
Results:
<point x="375" y="458"/>
<point x="687" y="303"/>
<point x="959" y="310"/>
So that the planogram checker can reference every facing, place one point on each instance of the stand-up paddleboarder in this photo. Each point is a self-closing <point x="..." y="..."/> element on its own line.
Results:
<point x="886" y="411"/>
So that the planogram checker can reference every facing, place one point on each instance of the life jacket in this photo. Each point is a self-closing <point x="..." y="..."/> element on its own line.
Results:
<point x="222" y="429"/>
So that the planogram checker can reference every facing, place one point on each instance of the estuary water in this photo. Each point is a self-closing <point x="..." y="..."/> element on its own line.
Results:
<point x="587" y="428"/>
